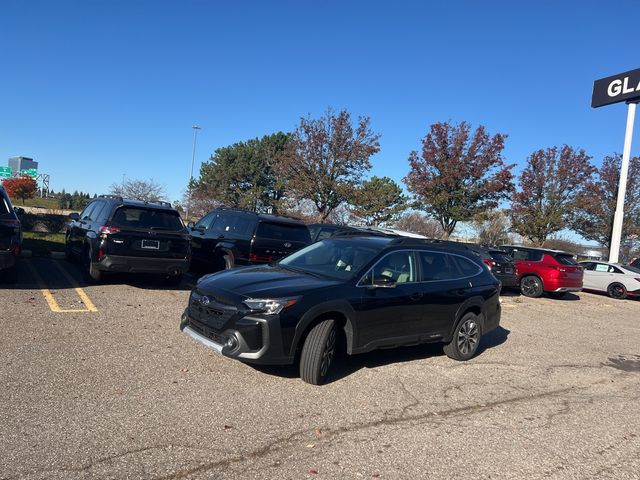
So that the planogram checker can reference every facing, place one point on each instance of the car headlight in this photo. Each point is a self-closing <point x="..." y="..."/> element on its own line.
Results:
<point x="270" y="306"/>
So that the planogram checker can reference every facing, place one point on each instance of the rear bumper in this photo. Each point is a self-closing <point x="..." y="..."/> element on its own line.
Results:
<point x="122" y="264"/>
<point x="7" y="259"/>
<point x="561" y="285"/>
<point x="566" y="289"/>
<point x="507" y="279"/>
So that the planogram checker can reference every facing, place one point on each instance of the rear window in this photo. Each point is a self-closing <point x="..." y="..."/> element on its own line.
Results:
<point x="279" y="231"/>
<point x="565" y="259"/>
<point x="500" y="256"/>
<point x="132" y="217"/>
<point x="632" y="269"/>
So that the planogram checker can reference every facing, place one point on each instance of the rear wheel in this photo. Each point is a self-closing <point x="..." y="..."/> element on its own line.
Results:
<point x="466" y="338"/>
<point x="318" y="352"/>
<point x="617" y="291"/>
<point x="174" y="280"/>
<point x="93" y="273"/>
<point x="531" y="286"/>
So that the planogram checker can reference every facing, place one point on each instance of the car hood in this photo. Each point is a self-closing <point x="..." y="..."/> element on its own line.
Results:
<point x="263" y="281"/>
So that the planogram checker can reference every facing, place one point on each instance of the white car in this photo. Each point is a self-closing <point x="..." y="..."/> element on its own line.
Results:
<point x="618" y="281"/>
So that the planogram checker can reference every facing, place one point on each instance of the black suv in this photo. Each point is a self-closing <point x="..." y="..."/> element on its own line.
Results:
<point x="113" y="234"/>
<point x="371" y="292"/>
<point x="500" y="263"/>
<point x="228" y="237"/>
<point x="10" y="237"/>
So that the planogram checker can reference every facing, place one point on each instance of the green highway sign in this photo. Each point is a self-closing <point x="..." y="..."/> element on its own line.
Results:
<point x="32" y="172"/>
<point x="5" y="172"/>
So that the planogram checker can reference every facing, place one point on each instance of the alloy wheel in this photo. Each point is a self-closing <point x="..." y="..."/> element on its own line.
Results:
<point x="468" y="337"/>
<point x="328" y="353"/>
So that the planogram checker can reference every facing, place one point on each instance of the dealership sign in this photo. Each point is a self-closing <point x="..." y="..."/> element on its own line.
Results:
<point x="617" y="88"/>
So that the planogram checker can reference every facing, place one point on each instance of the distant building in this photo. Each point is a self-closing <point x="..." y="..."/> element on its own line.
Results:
<point x="18" y="164"/>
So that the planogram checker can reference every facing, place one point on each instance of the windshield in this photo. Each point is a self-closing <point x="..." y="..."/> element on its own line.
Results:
<point x="132" y="217"/>
<point x="334" y="258"/>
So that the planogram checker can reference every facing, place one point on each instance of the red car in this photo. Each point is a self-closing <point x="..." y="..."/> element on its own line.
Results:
<point x="543" y="270"/>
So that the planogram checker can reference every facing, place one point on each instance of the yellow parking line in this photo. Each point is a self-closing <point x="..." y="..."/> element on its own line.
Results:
<point x="51" y="301"/>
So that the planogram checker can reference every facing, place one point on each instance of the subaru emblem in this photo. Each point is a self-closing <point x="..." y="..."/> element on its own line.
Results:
<point x="205" y="300"/>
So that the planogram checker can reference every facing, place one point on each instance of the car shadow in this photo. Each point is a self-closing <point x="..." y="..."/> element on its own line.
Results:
<point x="345" y="365"/>
<point x="567" y="297"/>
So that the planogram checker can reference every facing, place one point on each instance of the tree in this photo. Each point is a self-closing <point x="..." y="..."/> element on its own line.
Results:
<point x="241" y="175"/>
<point x="548" y="189"/>
<point x="327" y="158"/>
<point x="378" y="200"/>
<point x="145" y="190"/>
<point x="492" y="228"/>
<point x="418" y="223"/>
<point x="458" y="175"/>
<point x="563" y="244"/>
<point x="21" y="187"/>
<point x="596" y="205"/>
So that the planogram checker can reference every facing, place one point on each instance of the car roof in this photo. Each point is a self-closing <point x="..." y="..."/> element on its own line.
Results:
<point x="267" y="217"/>
<point x="128" y="202"/>
<point x="539" y="249"/>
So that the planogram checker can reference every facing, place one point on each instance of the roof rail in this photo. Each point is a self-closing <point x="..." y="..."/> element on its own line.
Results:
<point x="159" y="202"/>
<point x="244" y="210"/>
<point x="428" y="241"/>
<point x="114" y="197"/>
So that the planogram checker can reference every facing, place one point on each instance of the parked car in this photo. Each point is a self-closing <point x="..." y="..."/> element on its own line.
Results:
<point x="113" y="234"/>
<point x="10" y="237"/>
<point x="228" y="237"/>
<point x="364" y="292"/>
<point x="320" y="231"/>
<point x="618" y="281"/>
<point x="635" y="263"/>
<point x="500" y="263"/>
<point x="543" y="270"/>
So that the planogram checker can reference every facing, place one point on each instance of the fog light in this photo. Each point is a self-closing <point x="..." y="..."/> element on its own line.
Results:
<point x="231" y="343"/>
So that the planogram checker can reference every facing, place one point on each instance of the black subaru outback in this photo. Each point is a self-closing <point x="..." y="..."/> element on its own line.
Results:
<point x="113" y="234"/>
<point x="373" y="292"/>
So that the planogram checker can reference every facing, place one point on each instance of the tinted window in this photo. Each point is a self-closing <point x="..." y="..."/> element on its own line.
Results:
<point x="500" y="256"/>
<point x="239" y="226"/>
<point x="335" y="258"/>
<point x="528" y="255"/>
<point x="613" y="269"/>
<point x="133" y="217"/>
<point x="205" y="222"/>
<point x="279" y="231"/>
<point x="313" y="231"/>
<point x="325" y="233"/>
<point x="437" y="266"/>
<point x="632" y="269"/>
<point x="466" y="267"/>
<point x="565" y="259"/>
<point x="397" y="266"/>
<point x="588" y="266"/>
<point x="88" y="210"/>
<point x="97" y="210"/>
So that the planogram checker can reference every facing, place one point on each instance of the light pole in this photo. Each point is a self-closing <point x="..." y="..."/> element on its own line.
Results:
<point x="193" y="158"/>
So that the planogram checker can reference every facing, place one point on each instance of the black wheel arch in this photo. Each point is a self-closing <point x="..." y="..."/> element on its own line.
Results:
<point x="340" y="311"/>
<point x="475" y="305"/>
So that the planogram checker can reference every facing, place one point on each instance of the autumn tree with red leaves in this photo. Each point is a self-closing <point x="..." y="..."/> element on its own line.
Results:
<point x="327" y="158"/>
<point x="21" y="187"/>
<point x="596" y="205"/>
<point x="459" y="174"/>
<point x="549" y="187"/>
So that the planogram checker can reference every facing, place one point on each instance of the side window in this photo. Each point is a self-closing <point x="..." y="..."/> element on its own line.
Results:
<point x="613" y="269"/>
<point x="534" y="256"/>
<point x="437" y="266"/>
<point x="397" y="266"/>
<point x="103" y="216"/>
<point x="219" y="225"/>
<point x="97" y="211"/>
<point x="601" y="267"/>
<point x="466" y="267"/>
<point x="325" y="233"/>
<point x="589" y="266"/>
<point x="88" y="210"/>
<point x="519" y="255"/>
<point x="240" y="226"/>
<point x="205" y="222"/>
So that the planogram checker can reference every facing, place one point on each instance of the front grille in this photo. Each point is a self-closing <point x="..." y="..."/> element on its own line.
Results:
<point x="205" y="331"/>
<point x="508" y="270"/>
<point x="214" y="314"/>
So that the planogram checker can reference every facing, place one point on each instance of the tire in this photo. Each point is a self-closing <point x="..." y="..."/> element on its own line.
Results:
<point x="68" y="253"/>
<point x="318" y="352"/>
<point x="466" y="338"/>
<point x="9" y="276"/>
<point x="617" y="290"/>
<point x="94" y="275"/>
<point x="531" y="286"/>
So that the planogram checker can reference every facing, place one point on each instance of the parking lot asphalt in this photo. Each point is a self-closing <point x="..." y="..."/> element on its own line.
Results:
<point x="106" y="386"/>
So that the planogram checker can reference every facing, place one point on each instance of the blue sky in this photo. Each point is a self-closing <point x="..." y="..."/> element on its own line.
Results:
<point x="95" y="89"/>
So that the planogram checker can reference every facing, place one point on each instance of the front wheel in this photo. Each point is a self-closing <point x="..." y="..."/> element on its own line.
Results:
<point x="531" y="286"/>
<point x="617" y="291"/>
<point x="318" y="352"/>
<point x="466" y="338"/>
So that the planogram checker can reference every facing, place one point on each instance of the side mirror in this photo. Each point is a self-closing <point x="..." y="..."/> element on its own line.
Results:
<point x="18" y="210"/>
<point x="383" y="282"/>
<point x="191" y="225"/>
<point x="74" y="216"/>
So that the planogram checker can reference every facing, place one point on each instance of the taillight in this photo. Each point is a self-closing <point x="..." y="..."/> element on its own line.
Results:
<point x="259" y="258"/>
<point x="104" y="231"/>
<point x="557" y="267"/>
<point x="15" y="224"/>
<point x="101" y="254"/>
<point x="491" y="263"/>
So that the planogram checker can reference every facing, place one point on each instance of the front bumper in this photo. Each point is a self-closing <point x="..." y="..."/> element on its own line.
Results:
<point x="251" y="339"/>
<point x="163" y="266"/>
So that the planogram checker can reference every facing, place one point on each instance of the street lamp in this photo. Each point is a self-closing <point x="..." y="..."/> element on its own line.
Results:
<point x="193" y="158"/>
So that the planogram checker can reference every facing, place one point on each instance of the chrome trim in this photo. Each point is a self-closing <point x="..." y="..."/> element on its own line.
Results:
<point x="203" y="340"/>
